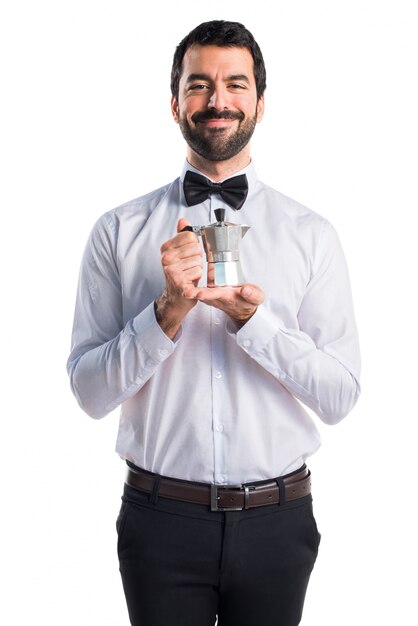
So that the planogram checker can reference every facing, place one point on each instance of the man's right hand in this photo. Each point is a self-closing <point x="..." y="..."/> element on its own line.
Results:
<point x="181" y="258"/>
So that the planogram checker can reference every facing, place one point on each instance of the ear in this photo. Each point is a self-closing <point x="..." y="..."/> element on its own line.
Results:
<point x="260" y="109"/>
<point x="175" y="109"/>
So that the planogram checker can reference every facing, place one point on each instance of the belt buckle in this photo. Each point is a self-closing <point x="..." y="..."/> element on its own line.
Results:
<point x="214" y="497"/>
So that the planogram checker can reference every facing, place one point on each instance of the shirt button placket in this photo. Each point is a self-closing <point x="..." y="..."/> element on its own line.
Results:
<point x="218" y="426"/>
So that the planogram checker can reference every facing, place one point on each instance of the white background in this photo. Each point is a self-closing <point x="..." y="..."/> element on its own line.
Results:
<point x="86" y="126"/>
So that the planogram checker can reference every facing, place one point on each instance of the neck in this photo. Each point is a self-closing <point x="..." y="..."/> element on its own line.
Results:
<point x="218" y="170"/>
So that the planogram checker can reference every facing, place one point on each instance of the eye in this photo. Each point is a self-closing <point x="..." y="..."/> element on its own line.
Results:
<point x="198" y="87"/>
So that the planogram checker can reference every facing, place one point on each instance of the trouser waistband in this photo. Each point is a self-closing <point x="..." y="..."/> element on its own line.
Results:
<point x="223" y="497"/>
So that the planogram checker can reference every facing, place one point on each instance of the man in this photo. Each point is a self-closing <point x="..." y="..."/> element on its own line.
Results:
<point x="216" y="518"/>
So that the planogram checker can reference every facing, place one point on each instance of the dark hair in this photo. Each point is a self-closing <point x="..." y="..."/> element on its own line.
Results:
<point x="223" y="34"/>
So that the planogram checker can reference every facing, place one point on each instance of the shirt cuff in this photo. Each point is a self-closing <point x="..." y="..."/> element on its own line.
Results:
<point x="153" y="339"/>
<point x="257" y="332"/>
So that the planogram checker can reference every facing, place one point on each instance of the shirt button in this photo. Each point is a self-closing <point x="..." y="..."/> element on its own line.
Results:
<point x="246" y="343"/>
<point x="220" y="428"/>
<point x="217" y="320"/>
<point x="221" y="479"/>
<point x="218" y="375"/>
<point x="162" y="352"/>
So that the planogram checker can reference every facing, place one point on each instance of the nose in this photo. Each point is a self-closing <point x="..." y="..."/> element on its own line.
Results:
<point x="218" y="99"/>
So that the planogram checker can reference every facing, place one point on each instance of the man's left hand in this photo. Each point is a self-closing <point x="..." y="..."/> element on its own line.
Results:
<point x="240" y="303"/>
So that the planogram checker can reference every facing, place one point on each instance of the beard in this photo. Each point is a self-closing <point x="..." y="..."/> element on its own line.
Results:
<point x="217" y="144"/>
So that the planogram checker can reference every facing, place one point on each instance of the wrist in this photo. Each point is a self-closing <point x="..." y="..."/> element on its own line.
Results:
<point x="243" y="319"/>
<point x="170" y="312"/>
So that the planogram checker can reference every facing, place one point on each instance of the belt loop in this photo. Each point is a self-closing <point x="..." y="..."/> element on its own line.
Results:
<point x="246" y="497"/>
<point x="282" y="490"/>
<point x="155" y="489"/>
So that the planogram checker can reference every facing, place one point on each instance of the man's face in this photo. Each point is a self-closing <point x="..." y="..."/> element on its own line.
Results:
<point x="217" y="107"/>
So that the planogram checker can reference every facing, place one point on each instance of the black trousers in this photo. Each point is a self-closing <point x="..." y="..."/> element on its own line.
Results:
<point x="184" y="565"/>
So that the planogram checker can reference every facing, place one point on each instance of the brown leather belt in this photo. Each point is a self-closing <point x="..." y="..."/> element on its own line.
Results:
<point x="225" y="497"/>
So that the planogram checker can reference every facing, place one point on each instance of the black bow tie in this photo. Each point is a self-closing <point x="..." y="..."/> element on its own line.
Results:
<point x="197" y="188"/>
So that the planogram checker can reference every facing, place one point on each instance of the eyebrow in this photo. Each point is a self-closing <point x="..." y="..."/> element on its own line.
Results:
<point x="193" y="77"/>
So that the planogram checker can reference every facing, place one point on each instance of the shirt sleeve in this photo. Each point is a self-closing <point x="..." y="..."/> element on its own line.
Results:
<point x="318" y="361"/>
<point x="109" y="361"/>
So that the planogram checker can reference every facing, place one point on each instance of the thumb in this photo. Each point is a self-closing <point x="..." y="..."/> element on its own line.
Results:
<point x="182" y="223"/>
<point x="252" y="294"/>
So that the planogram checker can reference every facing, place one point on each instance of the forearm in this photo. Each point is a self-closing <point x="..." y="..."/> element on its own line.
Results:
<point x="104" y="376"/>
<point x="325" y="378"/>
<point x="108" y="363"/>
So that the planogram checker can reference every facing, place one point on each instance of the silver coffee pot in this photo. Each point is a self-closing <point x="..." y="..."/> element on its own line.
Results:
<point x="221" y="243"/>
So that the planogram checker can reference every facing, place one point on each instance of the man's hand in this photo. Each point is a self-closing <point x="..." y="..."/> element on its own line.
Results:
<point x="240" y="303"/>
<point x="181" y="258"/>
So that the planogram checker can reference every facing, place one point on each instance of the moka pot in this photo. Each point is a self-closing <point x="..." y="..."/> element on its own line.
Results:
<point x="221" y="243"/>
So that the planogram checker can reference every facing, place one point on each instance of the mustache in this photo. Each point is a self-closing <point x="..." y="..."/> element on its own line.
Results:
<point x="203" y="116"/>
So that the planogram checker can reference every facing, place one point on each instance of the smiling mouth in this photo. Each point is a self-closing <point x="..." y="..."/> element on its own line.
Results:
<point x="213" y="118"/>
<point x="217" y="123"/>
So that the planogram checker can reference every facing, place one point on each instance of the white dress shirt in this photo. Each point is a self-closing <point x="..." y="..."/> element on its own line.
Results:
<point x="216" y="404"/>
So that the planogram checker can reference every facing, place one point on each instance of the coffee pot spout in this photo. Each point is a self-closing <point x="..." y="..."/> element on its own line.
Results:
<point x="244" y="230"/>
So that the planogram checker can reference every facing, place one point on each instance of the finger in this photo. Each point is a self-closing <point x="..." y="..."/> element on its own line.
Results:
<point x="190" y="292"/>
<point x="182" y="223"/>
<point x="181" y="239"/>
<point x="249" y="294"/>
<point x="173" y="256"/>
<point x="210" y="294"/>
<point x="183" y="264"/>
<point x="184" y="278"/>
<point x="252" y="294"/>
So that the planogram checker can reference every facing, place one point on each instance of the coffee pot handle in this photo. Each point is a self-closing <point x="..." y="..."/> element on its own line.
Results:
<point x="192" y="229"/>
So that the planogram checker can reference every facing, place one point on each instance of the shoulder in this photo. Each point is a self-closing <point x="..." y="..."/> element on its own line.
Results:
<point x="135" y="211"/>
<point x="143" y="205"/>
<point x="146" y="203"/>
<point x="291" y="216"/>
<point x="289" y="206"/>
